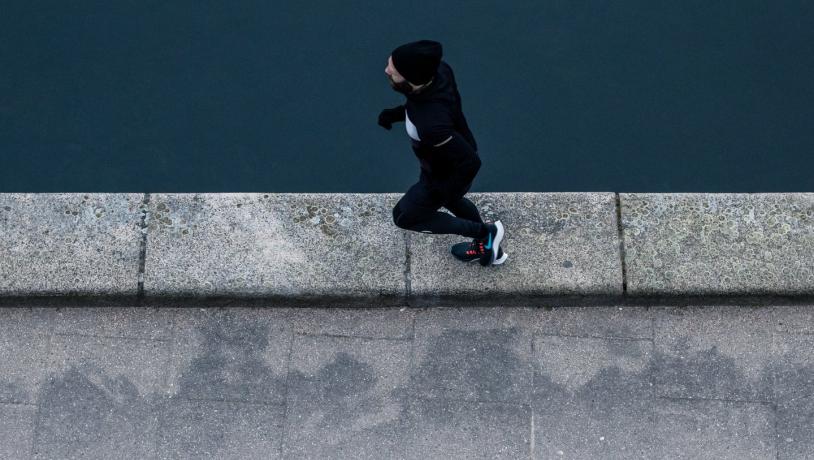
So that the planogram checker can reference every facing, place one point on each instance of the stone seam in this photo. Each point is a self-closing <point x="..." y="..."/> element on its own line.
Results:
<point x="621" y="242"/>
<point x="407" y="273"/>
<point x="143" y="248"/>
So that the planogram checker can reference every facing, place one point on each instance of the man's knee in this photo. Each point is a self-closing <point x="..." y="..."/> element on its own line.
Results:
<point x="405" y="218"/>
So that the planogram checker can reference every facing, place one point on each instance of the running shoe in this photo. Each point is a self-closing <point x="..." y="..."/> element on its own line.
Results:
<point x="468" y="252"/>
<point x="492" y="243"/>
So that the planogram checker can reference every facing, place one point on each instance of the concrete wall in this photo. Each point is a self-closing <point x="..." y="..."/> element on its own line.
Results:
<point x="304" y="245"/>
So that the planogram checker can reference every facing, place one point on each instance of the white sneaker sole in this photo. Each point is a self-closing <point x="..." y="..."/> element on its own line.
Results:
<point x="498" y="261"/>
<point x="497" y="241"/>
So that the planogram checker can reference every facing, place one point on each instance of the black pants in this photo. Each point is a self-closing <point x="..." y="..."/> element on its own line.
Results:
<point x="417" y="210"/>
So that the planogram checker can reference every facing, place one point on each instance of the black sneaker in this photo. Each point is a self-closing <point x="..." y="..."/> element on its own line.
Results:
<point x="468" y="252"/>
<point x="492" y="243"/>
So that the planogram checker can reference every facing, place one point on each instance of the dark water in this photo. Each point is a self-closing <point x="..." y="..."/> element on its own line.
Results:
<point x="251" y="96"/>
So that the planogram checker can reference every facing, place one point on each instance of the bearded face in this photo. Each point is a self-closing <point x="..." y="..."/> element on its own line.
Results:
<point x="402" y="87"/>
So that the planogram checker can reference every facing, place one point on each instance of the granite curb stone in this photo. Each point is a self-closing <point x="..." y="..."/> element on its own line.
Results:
<point x="346" y="247"/>
<point x="287" y="244"/>
<point x="69" y="243"/>
<point x="557" y="243"/>
<point x="732" y="243"/>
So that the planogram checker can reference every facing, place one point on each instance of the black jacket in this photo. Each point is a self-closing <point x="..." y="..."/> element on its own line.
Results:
<point x="433" y="116"/>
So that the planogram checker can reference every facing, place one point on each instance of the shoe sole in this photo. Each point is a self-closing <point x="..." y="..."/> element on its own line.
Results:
<point x="496" y="242"/>
<point x="496" y="262"/>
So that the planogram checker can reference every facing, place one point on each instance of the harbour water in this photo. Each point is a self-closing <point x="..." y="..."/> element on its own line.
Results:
<point x="192" y="96"/>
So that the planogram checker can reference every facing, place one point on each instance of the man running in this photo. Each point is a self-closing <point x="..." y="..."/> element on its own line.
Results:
<point x="446" y="150"/>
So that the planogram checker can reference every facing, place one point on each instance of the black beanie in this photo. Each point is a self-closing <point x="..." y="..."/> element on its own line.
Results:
<point x="417" y="61"/>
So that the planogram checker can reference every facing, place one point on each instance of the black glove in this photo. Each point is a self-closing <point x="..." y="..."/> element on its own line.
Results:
<point x="390" y="116"/>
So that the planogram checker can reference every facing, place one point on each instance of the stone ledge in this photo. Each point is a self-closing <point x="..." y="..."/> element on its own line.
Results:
<point x="332" y="245"/>
<point x="69" y="243"/>
<point x="249" y="244"/>
<point x="694" y="243"/>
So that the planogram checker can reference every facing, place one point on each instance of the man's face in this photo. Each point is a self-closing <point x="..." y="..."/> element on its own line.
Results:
<point x="397" y="82"/>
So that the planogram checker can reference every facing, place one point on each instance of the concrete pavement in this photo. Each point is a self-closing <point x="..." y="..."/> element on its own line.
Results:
<point x="249" y="379"/>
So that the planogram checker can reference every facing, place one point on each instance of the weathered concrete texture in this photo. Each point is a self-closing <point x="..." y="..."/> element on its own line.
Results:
<point x="450" y="429"/>
<point x="218" y="429"/>
<point x="620" y="322"/>
<point x="248" y="381"/>
<point x="345" y="247"/>
<point x="794" y="394"/>
<point x="250" y="244"/>
<point x="375" y="323"/>
<point x="732" y="430"/>
<point x="23" y="367"/>
<point x="231" y="355"/>
<point x="716" y="353"/>
<point x="472" y="354"/>
<point x="16" y="430"/>
<point x="93" y="411"/>
<point x="25" y="334"/>
<point x="348" y="393"/>
<point x="115" y="320"/>
<point x="592" y="398"/>
<point x="696" y="243"/>
<point x="557" y="243"/>
<point x="69" y="243"/>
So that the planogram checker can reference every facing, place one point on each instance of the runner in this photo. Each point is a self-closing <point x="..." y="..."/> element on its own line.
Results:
<point x="446" y="149"/>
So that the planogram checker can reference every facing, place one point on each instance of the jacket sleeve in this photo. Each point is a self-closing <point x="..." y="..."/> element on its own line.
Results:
<point x="399" y="112"/>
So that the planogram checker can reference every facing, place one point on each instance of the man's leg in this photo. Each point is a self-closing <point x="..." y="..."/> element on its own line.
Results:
<point x="418" y="211"/>
<point x="465" y="209"/>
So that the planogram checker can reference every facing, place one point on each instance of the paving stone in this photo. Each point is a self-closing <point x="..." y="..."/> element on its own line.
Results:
<point x="561" y="243"/>
<point x="599" y="321"/>
<point x="793" y="369"/>
<point x="16" y="430"/>
<point x="346" y="397"/>
<point x="795" y="427"/>
<point x="69" y="243"/>
<point x="718" y="243"/>
<point x="99" y="397"/>
<point x="222" y="393"/>
<point x="367" y="322"/>
<point x="234" y="354"/>
<point x="23" y="351"/>
<point x="115" y="321"/>
<point x="694" y="429"/>
<point x="472" y="354"/>
<point x="219" y="429"/>
<point x="138" y="365"/>
<point x="592" y="398"/>
<point x="793" y="366"/>
<point x="26" y="320"/>
<point x="720" y="352"/>
<point x="250" y="244"/>
<point x="793" y="319"/>
<point x="23" y="365"/>
<point x="92" y="412"/>
<point x="467" y="429"/>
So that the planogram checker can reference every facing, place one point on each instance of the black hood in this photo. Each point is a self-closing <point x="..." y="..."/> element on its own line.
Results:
<point x="441" y="88"/>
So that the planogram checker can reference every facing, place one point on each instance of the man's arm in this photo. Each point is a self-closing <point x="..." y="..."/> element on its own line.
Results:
<point x="389" y="116"/>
